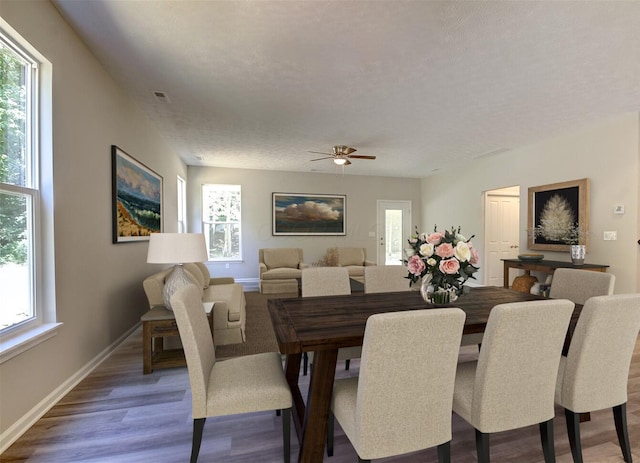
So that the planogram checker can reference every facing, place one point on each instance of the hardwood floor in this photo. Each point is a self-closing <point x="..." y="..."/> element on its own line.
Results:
<point x="117" y="414"/>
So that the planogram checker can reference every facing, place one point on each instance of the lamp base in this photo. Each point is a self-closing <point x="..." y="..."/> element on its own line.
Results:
<point x="176" y="280"/>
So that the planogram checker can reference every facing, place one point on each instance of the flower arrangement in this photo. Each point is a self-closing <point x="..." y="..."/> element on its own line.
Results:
<point x="447" y="259"/>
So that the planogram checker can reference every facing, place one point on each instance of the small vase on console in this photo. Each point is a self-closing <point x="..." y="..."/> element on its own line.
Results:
<point x="578" y="253"/>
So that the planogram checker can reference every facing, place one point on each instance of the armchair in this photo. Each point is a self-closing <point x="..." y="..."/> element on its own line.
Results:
<point x="280" y="269"/>
<point x="355" y="260"/>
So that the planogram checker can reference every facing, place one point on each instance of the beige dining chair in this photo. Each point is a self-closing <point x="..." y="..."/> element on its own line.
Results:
<point x="246" y="384"/>
<point x="512" y="383"/>
<point x="594" y="374"/>
<point x="401" y="401"/>
<point x="579" y="285"/>
<point x="327" y="281"/>
<point x="385" y="279"/>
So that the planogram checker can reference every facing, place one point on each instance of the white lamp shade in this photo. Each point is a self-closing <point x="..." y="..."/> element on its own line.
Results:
<point x="176" y="248"/>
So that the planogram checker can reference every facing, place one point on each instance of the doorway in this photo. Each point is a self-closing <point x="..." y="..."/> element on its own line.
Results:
<point x="394" y="227"/>
<point x="502" y="231"/>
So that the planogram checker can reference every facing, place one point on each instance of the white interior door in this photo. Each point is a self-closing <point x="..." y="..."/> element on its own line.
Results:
<point x="502" y="222"/>
<point x="394" y="227"/>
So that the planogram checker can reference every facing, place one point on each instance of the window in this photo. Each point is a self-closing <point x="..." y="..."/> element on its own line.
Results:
<point x="182" y="205"/>
<point x="27" y="305"/>
<point x="221" y="220"/>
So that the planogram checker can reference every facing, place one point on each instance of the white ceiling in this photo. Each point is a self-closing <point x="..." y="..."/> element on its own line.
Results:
<point x="422" y="85"/>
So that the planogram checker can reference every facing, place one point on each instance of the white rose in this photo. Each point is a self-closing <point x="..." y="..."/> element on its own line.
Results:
<point x="431" y="262"/>
<point x="460" y="237"/>
<point x="409" y="252"/>
<point x="427" y="249"/>
<point x="462" y="251"/>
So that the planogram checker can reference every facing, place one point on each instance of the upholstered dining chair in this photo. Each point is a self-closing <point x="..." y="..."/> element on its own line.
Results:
<point x="579" y="285"/>
<point x="385" y="279"/>
<point x="593" y="376"/>
<point x="512" y="383"/>
<point x="251" y="383"/>
<point x="401" y="401"/>
<point x="327" y="281"/>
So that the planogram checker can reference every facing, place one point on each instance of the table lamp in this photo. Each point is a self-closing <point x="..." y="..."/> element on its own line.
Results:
<point x="176" y="248"/>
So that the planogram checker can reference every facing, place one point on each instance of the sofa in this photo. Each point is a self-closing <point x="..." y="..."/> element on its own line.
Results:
<point x="354" y="259"/>
<point x="280" y="270"/>
<point x="229" y="310"/>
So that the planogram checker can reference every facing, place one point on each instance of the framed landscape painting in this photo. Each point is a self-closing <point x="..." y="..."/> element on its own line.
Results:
<point x="309" y="214"/>
<point x="137" y="199"/>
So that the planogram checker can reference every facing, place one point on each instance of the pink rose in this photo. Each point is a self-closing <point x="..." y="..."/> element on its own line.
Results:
<point x="445" y="250"/>
<point x="473" y="260"/>
<point x="449" y="266"/>
<point x="435" y="238"/>
<point x="415" y="265"/>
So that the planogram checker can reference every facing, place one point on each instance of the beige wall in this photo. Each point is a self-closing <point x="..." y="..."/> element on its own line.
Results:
<point x="98" y="284"/>
<point x="257" y="188"/>
<point x="607" y="153"/>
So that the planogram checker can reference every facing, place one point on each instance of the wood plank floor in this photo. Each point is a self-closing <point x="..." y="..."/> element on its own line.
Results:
<point x="117" y="414"/>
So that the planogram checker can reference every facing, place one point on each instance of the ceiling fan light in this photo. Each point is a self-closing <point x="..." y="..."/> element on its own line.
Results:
<point x="340" y="161"/>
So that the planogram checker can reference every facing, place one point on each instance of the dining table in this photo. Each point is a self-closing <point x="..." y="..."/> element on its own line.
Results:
<point x="323" y="325"/>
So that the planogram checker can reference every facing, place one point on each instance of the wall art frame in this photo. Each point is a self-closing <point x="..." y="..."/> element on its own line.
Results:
<point x="309" y="214"/>
<point x="136" y="198"/>
<point x="559" y="204"/>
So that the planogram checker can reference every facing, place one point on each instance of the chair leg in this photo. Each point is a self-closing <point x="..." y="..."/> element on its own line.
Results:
<point x="444" y="452"/>
<point x="330" y="427"/>
<point x="305" y="363"/>
<point x="198" y="427"/>
<point x="482" y="447"/>
<point x="346" y="364"/>
<point x="546" y="436"/>
<point x="286" y="434"/>
<point x="620" y="418"/>
<point x="573" y="430"/>
<point x="360" y="460"/>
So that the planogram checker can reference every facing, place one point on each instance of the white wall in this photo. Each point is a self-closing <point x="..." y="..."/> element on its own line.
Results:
<point x="607" y="153"/>
<point x="98" y="284"/>
<point x="257" y="188"/>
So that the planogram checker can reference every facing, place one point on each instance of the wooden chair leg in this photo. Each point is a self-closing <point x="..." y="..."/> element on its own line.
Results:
<point x="286" y="434"/>
<point x="444" y="452"/>
<point x="620" y="418"/>
<point x="198" y="427"/>
<point x="573" y="431"/>
<point x="546" y="436"/>
<point x="347" y="363"/>
<point x="330" y="428"/>
<point x="482" y="447"/>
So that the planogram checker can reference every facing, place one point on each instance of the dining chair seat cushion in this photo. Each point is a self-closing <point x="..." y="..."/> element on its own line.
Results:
<point x="246" y="384"/>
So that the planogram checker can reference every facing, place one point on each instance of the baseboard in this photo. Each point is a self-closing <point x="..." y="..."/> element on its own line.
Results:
<point x="249" y="284"/>
<point x="15" y="431"/>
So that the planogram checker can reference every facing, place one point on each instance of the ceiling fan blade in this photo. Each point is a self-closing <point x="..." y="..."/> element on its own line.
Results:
<point x="360" y="156"/>
<point x="347" y="163"/>
<point x="320" y="159"/>
<point x="320" y="152"/>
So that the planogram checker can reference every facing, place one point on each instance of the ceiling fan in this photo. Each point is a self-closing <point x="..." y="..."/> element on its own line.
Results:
<point x="341" y="155"/>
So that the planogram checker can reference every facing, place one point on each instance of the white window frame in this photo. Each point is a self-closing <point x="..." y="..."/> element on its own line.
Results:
<point x="39" y="189"/>
<point x="182" y="204"/>
<point x="206" y="223"/>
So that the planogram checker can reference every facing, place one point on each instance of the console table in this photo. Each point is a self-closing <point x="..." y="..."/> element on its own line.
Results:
<point x="544" y="266"/>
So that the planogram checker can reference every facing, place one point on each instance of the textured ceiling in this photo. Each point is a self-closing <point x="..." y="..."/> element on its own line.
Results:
<point x="422" y="85"/>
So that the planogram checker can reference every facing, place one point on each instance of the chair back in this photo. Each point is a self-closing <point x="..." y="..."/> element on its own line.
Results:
<point x="325" y="281"/>
<point x="407" y="375"/>
<point x="580" y="285"/>
<point x="197" y="342"/>
<point x="518" y="364"/>
<point x="597" y="364"/>
<point x="385" y="279"/>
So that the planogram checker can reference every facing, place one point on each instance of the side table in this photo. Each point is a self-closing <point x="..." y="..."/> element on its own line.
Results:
<point x="545" y="266"/>
<point x="156" y="324"/>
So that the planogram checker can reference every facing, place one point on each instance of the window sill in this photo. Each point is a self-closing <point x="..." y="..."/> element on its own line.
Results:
<point x="13" y="344"/>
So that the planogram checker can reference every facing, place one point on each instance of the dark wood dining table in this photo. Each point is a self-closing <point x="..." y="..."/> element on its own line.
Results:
<point x="324" y="324"/>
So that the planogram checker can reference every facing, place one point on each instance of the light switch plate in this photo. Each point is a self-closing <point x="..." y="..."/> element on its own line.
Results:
<point x="610" y="236"/>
